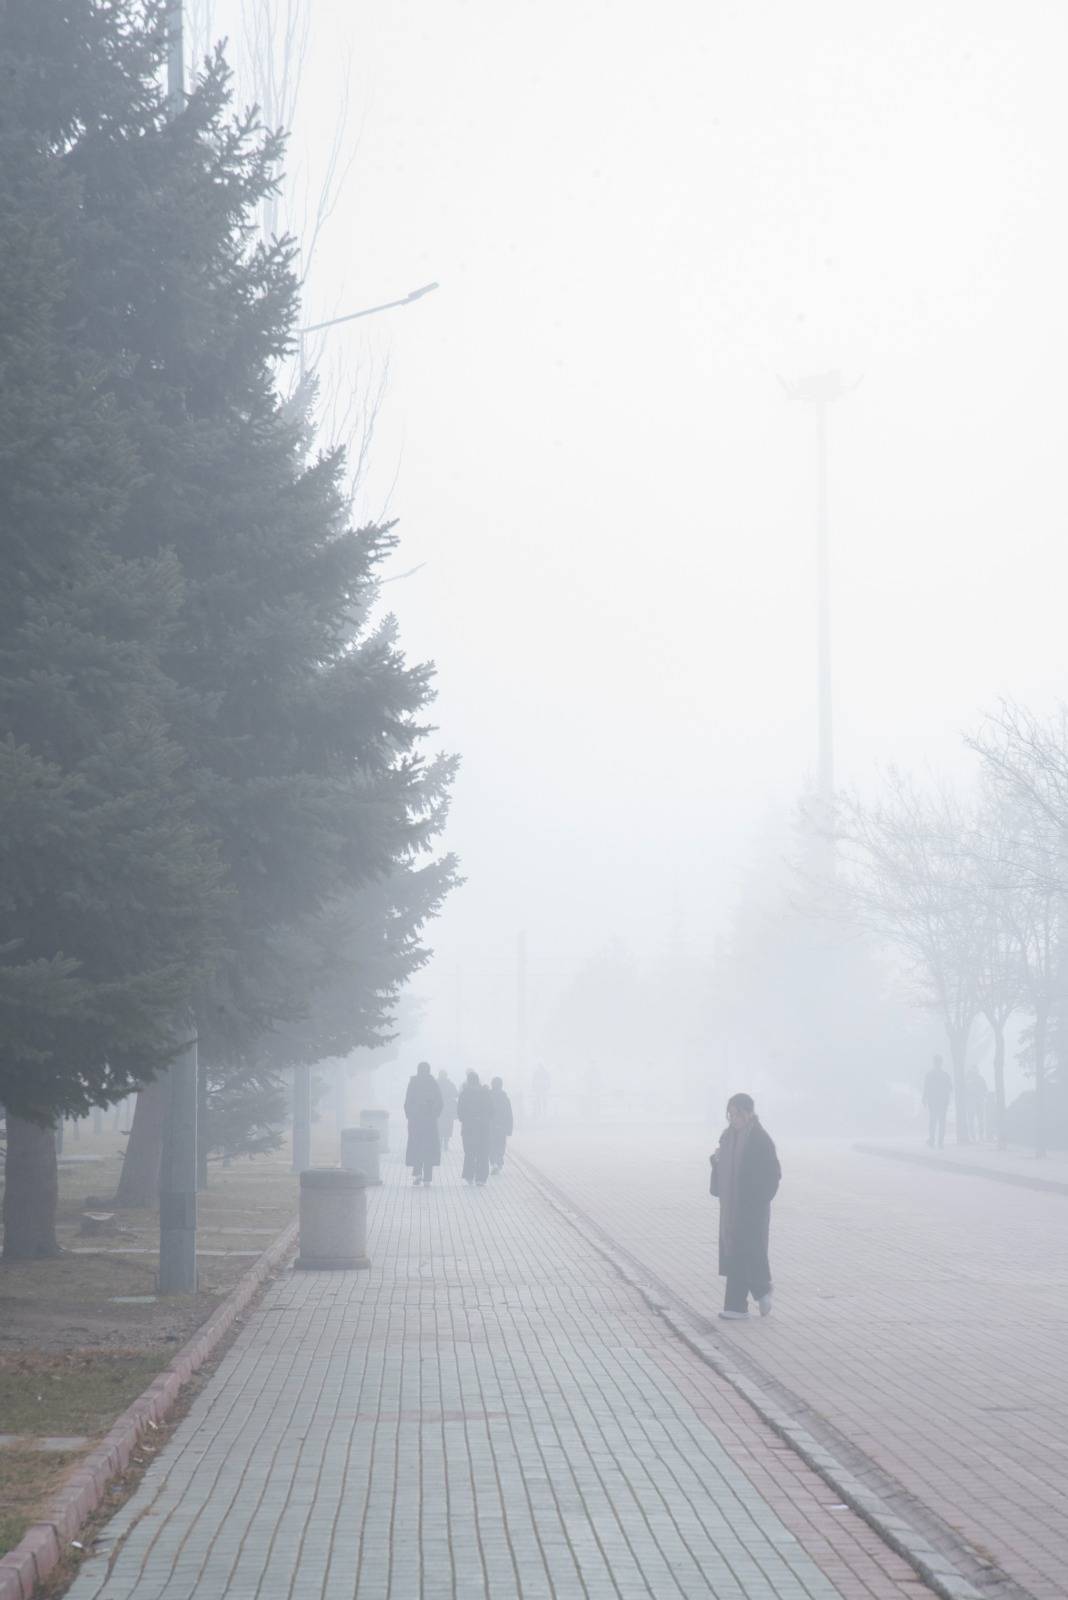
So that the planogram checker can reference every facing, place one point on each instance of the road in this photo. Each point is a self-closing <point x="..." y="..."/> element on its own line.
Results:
<point x="921" y="1324"/>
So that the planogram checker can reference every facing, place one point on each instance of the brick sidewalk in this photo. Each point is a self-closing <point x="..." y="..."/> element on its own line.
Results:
<point x="490" y="1411"/>
<point x="1014" y="1166"/>
<point x="921" y="1317"/>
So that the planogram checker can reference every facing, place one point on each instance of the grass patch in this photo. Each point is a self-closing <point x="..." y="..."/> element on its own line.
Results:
<point x="27" y="1478"/>
<point x="80" y="1392"/>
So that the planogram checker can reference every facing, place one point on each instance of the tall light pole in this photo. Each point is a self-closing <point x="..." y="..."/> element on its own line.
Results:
<point x="354" y="316"/>
<point x="175" y="58"/>
<point x="819" y="391"/>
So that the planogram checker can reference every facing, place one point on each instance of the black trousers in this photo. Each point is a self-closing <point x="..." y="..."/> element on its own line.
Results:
<point x="748" y="1273"/>
<point x="476" y="1154"/>
<point x="936" y="1125"/>
<point x="498" y="1143"/>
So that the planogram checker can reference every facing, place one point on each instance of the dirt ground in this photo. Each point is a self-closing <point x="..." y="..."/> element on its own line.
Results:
<point x="83" y="1335"/>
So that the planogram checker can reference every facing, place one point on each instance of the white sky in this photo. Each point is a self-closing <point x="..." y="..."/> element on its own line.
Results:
<point x="640" y="216"/>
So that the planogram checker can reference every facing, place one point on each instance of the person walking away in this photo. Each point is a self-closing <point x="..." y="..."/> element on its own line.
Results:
<point x="422" y="1107"/>
<point x="474" y="1109"/>
<point x="937" y="1093"/>
<point x="977" y="1097"/>
<point x="448" y="1108"/>
<point x="501" y="1124"/>
<point x="745" y="1179"/>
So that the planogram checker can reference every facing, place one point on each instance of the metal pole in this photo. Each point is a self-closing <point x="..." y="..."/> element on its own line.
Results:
<point x="301" y="1119"/>
<point x="823" y="580"/>
<point x="175" y="59"/>
<point x="178" y="1175"/>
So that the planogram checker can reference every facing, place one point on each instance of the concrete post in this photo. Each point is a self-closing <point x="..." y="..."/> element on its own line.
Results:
<point x="379" y="1121"/>
<point x="178" y="1176"/>
<point x="333" y="1220"/>
<point x="359" y="1152"/>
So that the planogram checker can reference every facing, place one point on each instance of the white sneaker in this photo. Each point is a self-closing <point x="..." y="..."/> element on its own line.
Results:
<point x="764" y="1303"/>
<point x="734" y="1316"/>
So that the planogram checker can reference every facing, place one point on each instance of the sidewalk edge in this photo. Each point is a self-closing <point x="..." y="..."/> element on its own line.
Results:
<point x="906" y="1541"/>
<point x="42" y="1546"/>
<point x="970" y="1170"/>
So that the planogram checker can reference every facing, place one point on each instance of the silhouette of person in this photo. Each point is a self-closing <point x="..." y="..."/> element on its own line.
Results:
<point x="745" y="1179"/>
<point x="474" y="1109"/>
<point x="422" y="1107"/>
<point x="501" y="1124"/>
<point x="937" y="1093"/>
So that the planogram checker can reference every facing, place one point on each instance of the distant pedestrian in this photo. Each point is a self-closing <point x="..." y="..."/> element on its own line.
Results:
<point x="422" y="1107"/>
<point x="501" y="1124"/>
<point x="937" y="1093"/>
<point x="448" y="1108"/>
<point x="474" y="1108"/>
<point x="745" y="1178"/>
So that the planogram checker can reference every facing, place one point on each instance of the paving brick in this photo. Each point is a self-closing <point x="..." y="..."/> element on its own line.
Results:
<point x="488" y="1411"/>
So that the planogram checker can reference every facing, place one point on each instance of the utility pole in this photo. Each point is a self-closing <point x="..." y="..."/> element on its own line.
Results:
<point x="819" y="391"/>
<point x="175" y="59"/>
<point x="178" y="1163"/>
<point x="178" y="1174"/>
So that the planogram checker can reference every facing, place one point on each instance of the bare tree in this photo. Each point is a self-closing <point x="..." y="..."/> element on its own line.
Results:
<point x="903" y="876"/>
<point x="1027" y="760"/>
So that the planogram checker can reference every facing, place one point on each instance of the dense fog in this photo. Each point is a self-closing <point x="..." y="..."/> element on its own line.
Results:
<point x="646" y="231"/>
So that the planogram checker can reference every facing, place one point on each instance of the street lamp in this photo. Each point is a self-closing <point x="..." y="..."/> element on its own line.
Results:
<point x="819" y="391"/>
<point x="353" y="316"/>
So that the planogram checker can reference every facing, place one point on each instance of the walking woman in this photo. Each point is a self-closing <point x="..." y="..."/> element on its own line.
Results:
<point x="422" y="1107"/>
<point x="474" y="1110"/>
<point x="745" y="1178"/>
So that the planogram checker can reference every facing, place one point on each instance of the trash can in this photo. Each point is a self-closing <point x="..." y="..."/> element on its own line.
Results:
<point x="333" y="1220"/>
<point x="359" y="1152"/>
<point x="379" y="1121"/>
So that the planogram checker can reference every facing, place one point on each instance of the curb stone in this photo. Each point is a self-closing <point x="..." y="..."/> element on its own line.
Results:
<point x="936" y="1570"/>
<point x="969" y="1169"/>
<point x="43" y="1544"/>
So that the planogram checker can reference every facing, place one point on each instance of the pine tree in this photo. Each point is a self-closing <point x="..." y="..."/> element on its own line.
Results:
<point x="291" y="722"/>
<point x="109" y="886"/>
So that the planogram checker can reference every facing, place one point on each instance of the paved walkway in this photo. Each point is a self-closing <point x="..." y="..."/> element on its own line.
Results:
<point x="490" y="1411"/>
<point x="922" y="1317"/>
<point x="979" y="1160"/>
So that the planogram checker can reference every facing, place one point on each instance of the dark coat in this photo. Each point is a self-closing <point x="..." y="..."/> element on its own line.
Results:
<point x="474" y="1108"/>
<point x="422" y="1107"/>
<point x="501" y="1114"/>
<point x="758" y="1184"/>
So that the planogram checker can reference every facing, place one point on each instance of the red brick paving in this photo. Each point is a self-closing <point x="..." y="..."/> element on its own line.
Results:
<point x="923" y="1313"/>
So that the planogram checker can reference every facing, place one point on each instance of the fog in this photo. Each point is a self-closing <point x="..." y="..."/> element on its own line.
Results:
<point x="644" y="225"/>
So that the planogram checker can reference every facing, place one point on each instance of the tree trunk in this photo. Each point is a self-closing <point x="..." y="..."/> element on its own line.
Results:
<point x="999" y="1079"/>
<point x="31" y="1191"/>
<point x="1041" y="1018"/>
<point x="139" y="1182"/>
<point x="958" y="1050"/>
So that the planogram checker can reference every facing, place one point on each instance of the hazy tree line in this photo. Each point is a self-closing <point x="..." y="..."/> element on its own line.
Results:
<point x="970" y="893"/>
<point x="215" y="806"/>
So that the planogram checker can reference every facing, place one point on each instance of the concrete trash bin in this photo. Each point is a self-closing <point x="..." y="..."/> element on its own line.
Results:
<point x="359" y="1152"/>
<point x="379" y="1121"/>
<point x="333" y="1220"/>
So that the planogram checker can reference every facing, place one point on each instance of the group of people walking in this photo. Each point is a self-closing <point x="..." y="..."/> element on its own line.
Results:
<point x="433" y="1106"/>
